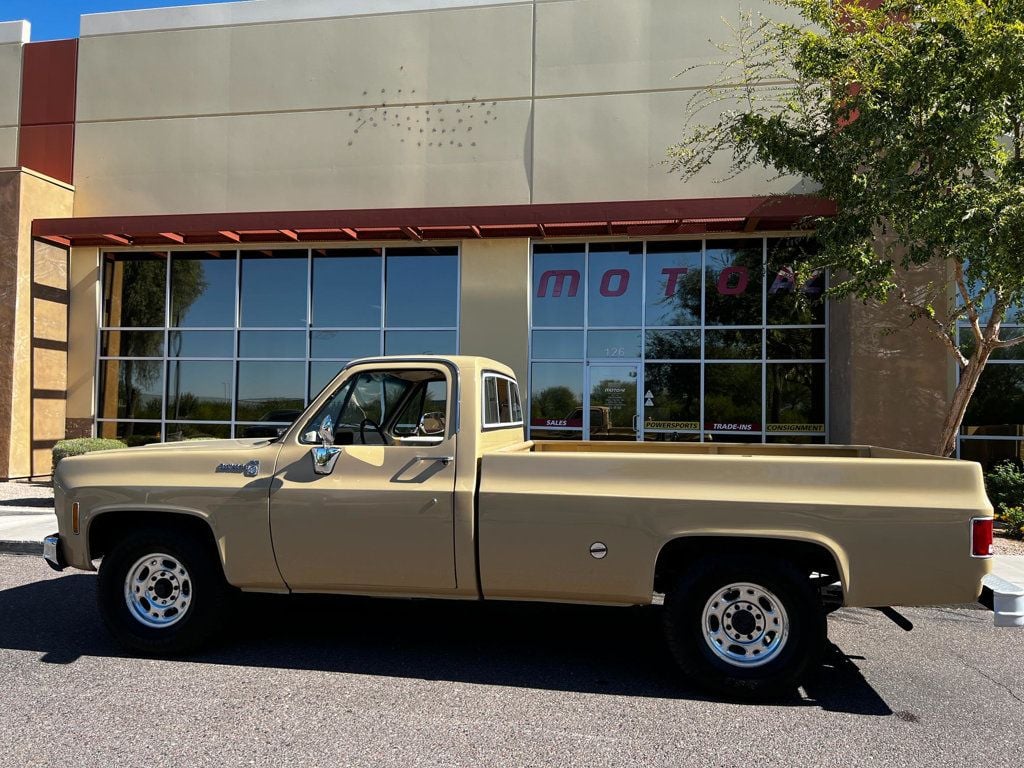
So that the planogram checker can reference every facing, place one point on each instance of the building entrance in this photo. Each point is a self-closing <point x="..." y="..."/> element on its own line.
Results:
<point x="613" y="396"/>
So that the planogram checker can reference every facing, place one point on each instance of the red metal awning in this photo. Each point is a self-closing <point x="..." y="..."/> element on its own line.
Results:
<point x="644" y="218"/>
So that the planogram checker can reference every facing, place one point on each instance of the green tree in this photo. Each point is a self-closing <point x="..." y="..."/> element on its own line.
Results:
<point x="909" y="117"/>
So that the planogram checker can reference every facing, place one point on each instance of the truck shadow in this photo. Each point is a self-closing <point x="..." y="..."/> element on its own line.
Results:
<point x="551" y="647"/>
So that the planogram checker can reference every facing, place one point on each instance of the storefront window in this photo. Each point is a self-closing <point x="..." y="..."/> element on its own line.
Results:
<point x="208" y="344"/>
<point x="558" y="286"/>
<point x="273" y="289"/>
<point x="723" y="340"/>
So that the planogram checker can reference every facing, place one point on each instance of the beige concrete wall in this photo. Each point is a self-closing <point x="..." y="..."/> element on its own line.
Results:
<point x="356" y="158"/>
<point x="890" y="381"/>
<point x="613" y="147"/>
<point x="10" y="195"/>
<point x="24" y="367"/>
<point x="10" y="103"/>
<point x="84" y="287"/>
<point x="452" y="55"/>
<point x="547" y="101"/>
<point x="496" y="302"/>
<point x="598" y="46"/>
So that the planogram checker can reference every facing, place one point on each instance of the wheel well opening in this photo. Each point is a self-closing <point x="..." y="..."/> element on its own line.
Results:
<point x="108" y="528"/>
<point x="680" y="553"/>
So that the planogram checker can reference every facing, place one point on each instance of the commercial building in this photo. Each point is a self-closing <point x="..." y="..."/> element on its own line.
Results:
<point x="205" y="211"/>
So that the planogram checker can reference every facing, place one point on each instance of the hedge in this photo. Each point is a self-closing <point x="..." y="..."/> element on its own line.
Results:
<point x="82" y="445"/>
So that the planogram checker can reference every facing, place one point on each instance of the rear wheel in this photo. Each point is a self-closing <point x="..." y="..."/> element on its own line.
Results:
<point x="748" y="630"/>
<point x="161" y="591"/>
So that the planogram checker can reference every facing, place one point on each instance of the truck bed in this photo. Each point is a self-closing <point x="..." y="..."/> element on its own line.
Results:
<point x="896" y="524"/>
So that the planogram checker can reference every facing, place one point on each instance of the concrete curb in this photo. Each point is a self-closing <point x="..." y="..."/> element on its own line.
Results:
<point x="21" y="548"/>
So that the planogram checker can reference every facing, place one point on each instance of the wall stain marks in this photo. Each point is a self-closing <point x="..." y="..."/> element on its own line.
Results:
<point x="442" y="125"/>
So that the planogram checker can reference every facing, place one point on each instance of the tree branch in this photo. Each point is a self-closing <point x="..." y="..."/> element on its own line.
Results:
<point x="935" y="326"/>
<point x="972" y="310"/>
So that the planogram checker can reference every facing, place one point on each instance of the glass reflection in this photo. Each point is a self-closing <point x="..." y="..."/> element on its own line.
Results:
<point x="134" y="290"/>
<point x="796" y="344"/>
<point x="345" y="345"/>
<point x="673" y="283"/>
<point x="615" y="284"/>
<point x="796" y="398"/>
<point x="131" y="433"/>
<point x="201" y="344"/>
<point x="555" y="345"/>
<point x="558" y="285"/>
<point x="734" y="277"/>
<point x="203" y="291"/>
<point x="422" y="287"/>
<point x="673" y="345"/>
<point x="672" y="396"/>
<point x="132" y="344"/>
<point x="420" y="343"/>
<point x="321" y="374"/>
<point x="131" y="389"/>
<point x="273" y="289"/>
<point x="179" y="432"/>
<point x="787" y="302"/>
<point x="732" y="345"/>
<point x="556" y="395"/>
<point x="614" y="344"/>
<point x="347" y="288"/>
<point x="997" y="407"/>
<point x="272" y="344"/>
<point x="269" y="386"/>
<point x="732" y="397"/>
<point x="199" y="390"/>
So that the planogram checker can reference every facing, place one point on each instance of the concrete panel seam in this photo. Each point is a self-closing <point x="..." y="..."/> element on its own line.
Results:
<point x="404" y="104"/>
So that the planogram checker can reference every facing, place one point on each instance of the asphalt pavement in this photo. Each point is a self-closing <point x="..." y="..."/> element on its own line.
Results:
<point x="321" y="681"/>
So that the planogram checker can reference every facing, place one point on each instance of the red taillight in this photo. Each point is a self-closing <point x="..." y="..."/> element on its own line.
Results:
<point x="981" y="537"/>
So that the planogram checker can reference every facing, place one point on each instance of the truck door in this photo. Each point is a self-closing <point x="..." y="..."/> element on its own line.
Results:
<point x="380" y="516"/>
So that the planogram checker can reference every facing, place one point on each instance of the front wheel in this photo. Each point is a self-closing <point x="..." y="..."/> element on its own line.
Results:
<point x="749" y="630"/>
<point x="161" y="591"/>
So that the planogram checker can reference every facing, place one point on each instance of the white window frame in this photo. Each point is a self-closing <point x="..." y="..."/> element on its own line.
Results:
<point x="513" y="385"/>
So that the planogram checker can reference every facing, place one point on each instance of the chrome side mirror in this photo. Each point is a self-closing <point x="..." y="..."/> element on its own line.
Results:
<point x="325" y="456"/>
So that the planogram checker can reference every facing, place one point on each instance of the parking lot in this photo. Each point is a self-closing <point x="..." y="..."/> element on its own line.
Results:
<point x="344" y="681"/>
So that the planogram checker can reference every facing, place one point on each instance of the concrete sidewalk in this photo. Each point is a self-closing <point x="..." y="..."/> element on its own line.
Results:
<point x="26" y="516"/>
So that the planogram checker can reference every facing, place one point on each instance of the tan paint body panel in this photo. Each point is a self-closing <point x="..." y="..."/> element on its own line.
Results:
<point x="179" y="478"/>
<point x="897" y="524"/>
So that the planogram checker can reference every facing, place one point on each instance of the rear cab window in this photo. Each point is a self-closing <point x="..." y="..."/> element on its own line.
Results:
<point x="502" y="407"/>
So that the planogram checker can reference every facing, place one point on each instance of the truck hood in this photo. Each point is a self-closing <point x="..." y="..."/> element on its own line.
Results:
<point x="191" y="464"/>
<point x="238" y="444"/>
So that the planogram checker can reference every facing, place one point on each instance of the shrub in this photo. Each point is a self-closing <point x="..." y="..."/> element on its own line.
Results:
<point x="1005" y="486"/>
<point x="82" y="445"/>
<point x="1013" y="519"/>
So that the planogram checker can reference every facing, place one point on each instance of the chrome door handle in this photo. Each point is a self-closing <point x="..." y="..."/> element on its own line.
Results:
<point x="446" y="460"/>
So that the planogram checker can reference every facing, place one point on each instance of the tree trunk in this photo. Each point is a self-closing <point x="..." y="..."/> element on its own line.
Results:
<point x="962" y="395"/>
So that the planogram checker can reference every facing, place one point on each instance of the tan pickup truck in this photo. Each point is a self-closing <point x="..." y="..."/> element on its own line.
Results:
<point x="411" y="477"/>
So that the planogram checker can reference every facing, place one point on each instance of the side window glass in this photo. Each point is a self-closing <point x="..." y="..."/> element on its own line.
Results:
<point x="502" y="407"/>
<point x="517" y="406"/>
<point x="425" y="414"/>
<point x="490" y="400"/>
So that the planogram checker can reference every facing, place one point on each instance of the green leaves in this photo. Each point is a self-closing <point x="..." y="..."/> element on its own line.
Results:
<point x="908" y="116"/>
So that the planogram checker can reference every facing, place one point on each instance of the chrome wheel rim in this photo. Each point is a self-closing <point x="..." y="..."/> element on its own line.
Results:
<point x="158" y="590"/>
<point x="745" y="625"/>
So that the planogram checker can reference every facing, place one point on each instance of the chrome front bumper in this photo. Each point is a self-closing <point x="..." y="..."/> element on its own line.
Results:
<point x="52" y="553"/>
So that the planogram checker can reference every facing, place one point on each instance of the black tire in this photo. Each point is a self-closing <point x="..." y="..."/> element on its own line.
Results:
<point x="207" y="591"/>
<point x="684" y="623"/>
